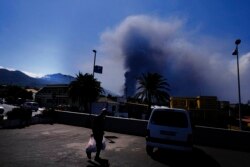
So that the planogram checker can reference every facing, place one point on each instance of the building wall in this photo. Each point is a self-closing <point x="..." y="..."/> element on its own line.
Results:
<point x="197" y="103"/>
<point x="207" y="102"/>
<point x="187" y="103"/>
<point x="53" y="95"/>
<point x="205" y="110"/>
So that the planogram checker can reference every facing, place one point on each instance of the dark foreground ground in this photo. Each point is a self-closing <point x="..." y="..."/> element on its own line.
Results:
<point x="63" y="145"/>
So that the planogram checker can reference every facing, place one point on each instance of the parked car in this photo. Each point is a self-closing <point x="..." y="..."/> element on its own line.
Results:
<point x="169" y="128"/>
<point x="30" y="105"/>
<point x="1" y="110"/>
<point x="1" y="113"/>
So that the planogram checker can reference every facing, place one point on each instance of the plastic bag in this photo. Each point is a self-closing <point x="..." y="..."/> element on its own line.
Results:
<point x="91" y="146"/>
<point x="103" y="143"/>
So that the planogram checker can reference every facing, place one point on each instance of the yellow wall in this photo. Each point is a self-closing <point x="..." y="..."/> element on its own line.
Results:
<point x="187" y="103"/>
<point x="207" y="103"/>
<point x="198" y="103"/>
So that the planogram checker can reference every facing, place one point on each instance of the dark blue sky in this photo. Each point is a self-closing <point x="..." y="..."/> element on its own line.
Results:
<point x="51" y="36"/>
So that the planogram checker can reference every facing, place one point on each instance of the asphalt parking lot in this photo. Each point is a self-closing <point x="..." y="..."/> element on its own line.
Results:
<point x="63" y="145"/>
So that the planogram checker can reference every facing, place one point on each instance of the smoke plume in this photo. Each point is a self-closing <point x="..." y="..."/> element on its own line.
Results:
<point x="148" y="44"/>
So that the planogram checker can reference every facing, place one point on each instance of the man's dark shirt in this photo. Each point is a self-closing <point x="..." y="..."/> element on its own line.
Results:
<point x="98" y="126"/>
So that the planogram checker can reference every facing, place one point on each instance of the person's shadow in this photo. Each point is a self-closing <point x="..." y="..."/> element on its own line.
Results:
<point x="196" y="158"/>
<point x="100" y="163"/>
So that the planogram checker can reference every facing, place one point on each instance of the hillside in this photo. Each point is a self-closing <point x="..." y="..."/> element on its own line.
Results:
<point x="8" y="77"/>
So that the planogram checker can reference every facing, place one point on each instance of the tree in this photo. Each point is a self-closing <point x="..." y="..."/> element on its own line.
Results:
<point x="84" y="90"/>
<point x="152" y="89"/>
<point x="13" y="94"/>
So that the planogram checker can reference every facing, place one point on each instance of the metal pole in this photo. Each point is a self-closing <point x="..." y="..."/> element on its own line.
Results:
<point x="236" y="52"/>
<point x="238" y="70"/>
<point x="91" y="108"/>
<point x="94" y="63"/>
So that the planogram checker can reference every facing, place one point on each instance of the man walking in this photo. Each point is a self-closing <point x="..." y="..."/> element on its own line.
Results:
<point x="98" y="133"/>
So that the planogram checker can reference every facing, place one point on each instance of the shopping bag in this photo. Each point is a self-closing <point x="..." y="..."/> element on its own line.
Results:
<point x="103" y="143"/>
<point x="91" y="146"/>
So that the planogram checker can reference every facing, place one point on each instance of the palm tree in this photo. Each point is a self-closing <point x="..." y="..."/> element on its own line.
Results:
<point x="152" y="89"/>
<point x="84" y="90"/>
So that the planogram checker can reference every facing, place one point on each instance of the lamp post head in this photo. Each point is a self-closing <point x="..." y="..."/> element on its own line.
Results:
<point x="237" y="42"/>
<point x="94" y="51"/>
<point x="235" y="52"/>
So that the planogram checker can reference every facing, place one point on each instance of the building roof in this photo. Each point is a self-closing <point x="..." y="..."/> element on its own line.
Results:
<point x="32" y="90"/>
<point x="105" y="100"/>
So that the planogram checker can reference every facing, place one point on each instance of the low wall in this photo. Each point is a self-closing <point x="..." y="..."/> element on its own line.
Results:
<point x="112" y="124"/>
<point x="127" y="126"/>
<point x="72" y="118"/>
<point x="224" y="138"/>
<point x="206" y="136"/>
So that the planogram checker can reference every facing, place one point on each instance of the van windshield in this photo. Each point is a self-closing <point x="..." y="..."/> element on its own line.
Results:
<point x="169" y="118"/>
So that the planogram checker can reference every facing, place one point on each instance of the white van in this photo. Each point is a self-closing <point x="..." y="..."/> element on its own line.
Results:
<point x="169" y="128"/>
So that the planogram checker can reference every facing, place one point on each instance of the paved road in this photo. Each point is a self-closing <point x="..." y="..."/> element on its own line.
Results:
<point x="62" y="145"/>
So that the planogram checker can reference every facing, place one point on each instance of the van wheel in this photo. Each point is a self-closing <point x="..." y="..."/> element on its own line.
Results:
<point x="149" y="150"/>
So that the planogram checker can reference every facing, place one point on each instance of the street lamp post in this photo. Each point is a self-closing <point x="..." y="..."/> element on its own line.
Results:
<point x="94" y="63"/>
<point x="236" y="52"/>
<point x="93" y="77"/>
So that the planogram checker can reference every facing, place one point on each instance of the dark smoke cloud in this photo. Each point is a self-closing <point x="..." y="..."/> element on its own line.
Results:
<point x="140" y="57"/>
<point x="147" y="44"/>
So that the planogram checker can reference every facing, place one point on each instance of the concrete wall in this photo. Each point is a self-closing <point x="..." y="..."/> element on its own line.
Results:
<point x="223" y="138"/>
<point x="72" y="118"/>
<point x="215" y="137"/>
<point x="112" y="124"/>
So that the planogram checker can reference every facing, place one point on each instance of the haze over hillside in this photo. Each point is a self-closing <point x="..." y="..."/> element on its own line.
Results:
<point x="8" y="77"/>
<point x="15" y="77"/>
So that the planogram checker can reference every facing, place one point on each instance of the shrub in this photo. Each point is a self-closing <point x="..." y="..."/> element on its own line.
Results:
<point x="15" y="113"/>
<point x="49" y="113"/>
<point x="19" y="113"/>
